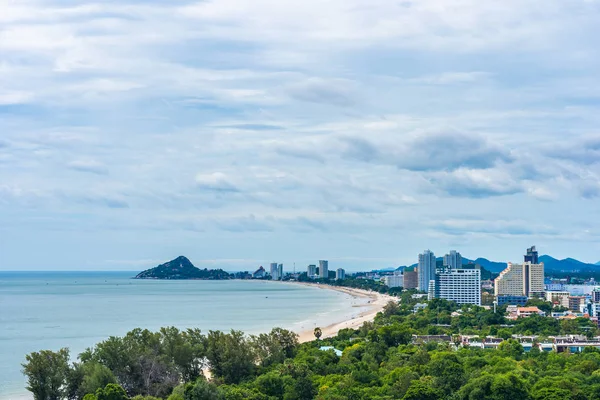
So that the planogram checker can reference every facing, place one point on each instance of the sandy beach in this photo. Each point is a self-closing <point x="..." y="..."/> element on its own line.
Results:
<point x="374" y="303"/>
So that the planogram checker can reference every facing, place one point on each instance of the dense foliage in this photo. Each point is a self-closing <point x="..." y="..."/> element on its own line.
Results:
<point x="182" y="268"/>
<point x="379" y="361"/>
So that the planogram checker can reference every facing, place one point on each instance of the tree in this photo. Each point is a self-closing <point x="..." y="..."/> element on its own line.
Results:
<point x="511" y="348"/>
<point x="420" y="390"/>
<point x="230" y="356"/>
<point x="47" y="374"/>
<point x="202" y="390"/>
<point x="318" y="333"/>
<point x="112" y="391"/>
<point x="87" y="378"/>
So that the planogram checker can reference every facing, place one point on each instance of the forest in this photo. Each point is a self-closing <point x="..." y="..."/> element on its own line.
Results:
<point x="380" y="360"/>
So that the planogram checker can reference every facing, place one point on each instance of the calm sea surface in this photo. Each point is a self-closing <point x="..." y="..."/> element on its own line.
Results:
<point x="50" y="310"/>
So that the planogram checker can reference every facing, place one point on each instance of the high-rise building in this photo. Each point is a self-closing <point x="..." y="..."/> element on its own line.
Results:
<point x="531" y="256"/>
<point x="340" y="274"/>
<point x="411" y="279"/>
<point x="426" y="269"/>
<point x="273" y="271"/>
<point x="311" y="270"/>
<point x="462" y="286"/>
<point x="393" y="281"/>
<point x="280" y="272"/>
<point x="525" y="279"/>
<point x="453" y="260"/>
<point x="259" y="273"/>
<point x="596" y="296"/>
<point x="323" y="269"/>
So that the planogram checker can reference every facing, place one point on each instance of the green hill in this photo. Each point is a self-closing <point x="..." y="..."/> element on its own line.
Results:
<point x="182" y="268"/>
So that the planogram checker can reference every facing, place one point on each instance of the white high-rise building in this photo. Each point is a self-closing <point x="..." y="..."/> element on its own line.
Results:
<point x="453" y="259"/>
<point x="392" y="281"/>
<point x="311" y="271"/>
<point x="340" y="274"/>
<point x="323" y="269"/>
<point x="525" y="279"/>
<point x="426" y="269"/>
<point x="462" y="286"/>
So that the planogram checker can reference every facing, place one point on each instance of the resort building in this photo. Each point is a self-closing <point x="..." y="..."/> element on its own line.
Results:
<point x="525" y="279"/>
<point x="393" y="281"/>
<point x="453" y="260"/>
<point x="311" y="271"/>
<point x="323" y="269"/>
<point x="426" y="270"/>
<point x="462" y="286"/>
<point x="340" y="274"/>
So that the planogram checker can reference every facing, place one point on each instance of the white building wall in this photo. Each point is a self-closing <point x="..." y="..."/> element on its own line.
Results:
<point x="460" y="285"/>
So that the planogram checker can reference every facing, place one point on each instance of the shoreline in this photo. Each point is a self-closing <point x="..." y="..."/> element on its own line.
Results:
<point x="376" y="302"/>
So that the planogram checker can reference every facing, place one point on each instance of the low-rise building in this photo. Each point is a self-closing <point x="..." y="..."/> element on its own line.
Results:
<point x="575" y="302"/>
<point x="524" y="312"/>
<point x="393" y="281"/>
<point x="512" y="300"/>
<point x="558" y="298"/>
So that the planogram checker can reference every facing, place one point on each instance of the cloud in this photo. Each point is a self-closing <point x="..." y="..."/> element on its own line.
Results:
<point x="450" y="151"/>
<point x="88" y="165"/>
<point x="449" y="78"/>
<point x="341" y="125"/>
<point x="475" y="183"/>
<point x="337" y="92"/>
<point x="216" y="182"/>
<point x="584" y="151"/>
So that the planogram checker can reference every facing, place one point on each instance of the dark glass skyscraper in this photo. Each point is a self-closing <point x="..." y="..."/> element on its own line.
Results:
<point x="532" y="255"/>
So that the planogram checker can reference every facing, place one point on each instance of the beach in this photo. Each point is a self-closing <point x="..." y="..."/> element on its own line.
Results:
<point x="369" y="304"/>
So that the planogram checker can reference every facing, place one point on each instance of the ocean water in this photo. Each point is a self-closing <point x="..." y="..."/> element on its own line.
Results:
<point x="51" y="310"/>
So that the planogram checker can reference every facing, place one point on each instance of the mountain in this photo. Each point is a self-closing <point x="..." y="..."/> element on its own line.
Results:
<point x="492" y="266"/>
<point x="182" y="268"/>
<point x="567" y="265"/>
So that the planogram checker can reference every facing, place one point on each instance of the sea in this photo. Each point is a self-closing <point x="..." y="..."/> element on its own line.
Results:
<point x="52" y="310"/>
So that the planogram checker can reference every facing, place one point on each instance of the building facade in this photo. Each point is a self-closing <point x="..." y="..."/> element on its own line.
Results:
<point x="558" y="298"/>
<point x="311" y="271"/>
<point x="512" y="300"/>
<point x="393" y="281"/>
<point x="525" y="279"/>
<point x="462" y="286"/>
<point x="576" y="302"/>
<point x="273" y="271"/>
<point x="323" y="269"/>
<point x="340" y="274"/>
<point x="259" y="273"/>
<point x="280" y="272"/>
<point x="411" y="279"/>
<point x="531" y="256"/>
<point x="426" y="271"/>
<point x="453" y="260"/>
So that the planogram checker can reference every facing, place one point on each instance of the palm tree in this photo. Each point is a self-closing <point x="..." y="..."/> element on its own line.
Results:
<point x="318" y="333"/>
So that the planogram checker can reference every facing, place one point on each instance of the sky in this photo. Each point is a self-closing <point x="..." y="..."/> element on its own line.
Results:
<point x="240" y="133"/>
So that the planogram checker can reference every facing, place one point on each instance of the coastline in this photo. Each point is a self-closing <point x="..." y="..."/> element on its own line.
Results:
<point x="366" y="313"/>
